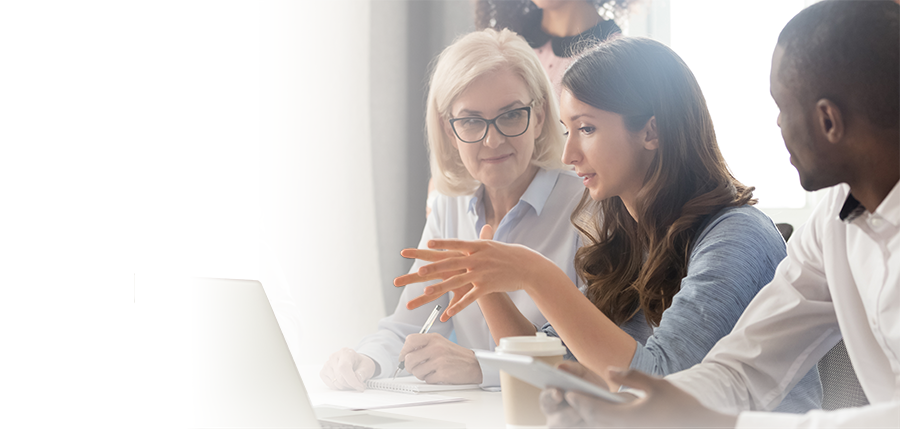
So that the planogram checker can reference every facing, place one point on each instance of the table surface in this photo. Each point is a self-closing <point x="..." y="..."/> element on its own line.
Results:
<point x="481" y="409"/>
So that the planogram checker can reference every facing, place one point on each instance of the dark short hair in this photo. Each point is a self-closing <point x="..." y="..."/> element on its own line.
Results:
<point x="849" y="53"/>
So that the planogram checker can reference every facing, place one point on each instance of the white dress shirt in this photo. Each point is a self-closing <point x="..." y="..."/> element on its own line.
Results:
<point x="841" y="278"/>
<point x="540" y="221"/>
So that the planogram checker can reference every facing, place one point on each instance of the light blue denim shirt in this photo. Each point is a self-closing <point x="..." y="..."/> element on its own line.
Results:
<point x="540" y="221"/>
<point x="734" y="256"/>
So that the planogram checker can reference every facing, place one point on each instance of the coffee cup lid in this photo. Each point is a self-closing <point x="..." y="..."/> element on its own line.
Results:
<point x="533" y="345"/>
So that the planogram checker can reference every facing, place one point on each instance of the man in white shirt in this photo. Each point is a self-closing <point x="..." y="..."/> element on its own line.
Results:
<point x="835" y="74"/>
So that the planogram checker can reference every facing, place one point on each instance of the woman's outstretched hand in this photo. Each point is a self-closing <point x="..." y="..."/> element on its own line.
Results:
<point x="472" y="269"/>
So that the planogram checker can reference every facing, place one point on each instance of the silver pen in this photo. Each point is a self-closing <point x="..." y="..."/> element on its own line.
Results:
<point x="424" y="330"/>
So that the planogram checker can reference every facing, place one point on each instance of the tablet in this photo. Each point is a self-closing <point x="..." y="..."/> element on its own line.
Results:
<point x="542" y="375"/>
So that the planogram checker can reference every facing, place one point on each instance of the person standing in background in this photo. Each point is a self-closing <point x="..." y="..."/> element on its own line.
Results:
<point x="555" y="29"/>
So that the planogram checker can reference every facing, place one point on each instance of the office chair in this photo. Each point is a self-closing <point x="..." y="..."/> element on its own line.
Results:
<point x="785" y="229"/>
<point x="840" y="388"/>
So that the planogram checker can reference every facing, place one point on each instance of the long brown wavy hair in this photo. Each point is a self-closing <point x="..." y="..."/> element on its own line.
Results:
<point x="637" y="264"/>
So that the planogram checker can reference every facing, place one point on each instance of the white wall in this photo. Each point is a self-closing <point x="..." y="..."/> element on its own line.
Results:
<point x="319" y="257"/>
<point x="197" y="137"/>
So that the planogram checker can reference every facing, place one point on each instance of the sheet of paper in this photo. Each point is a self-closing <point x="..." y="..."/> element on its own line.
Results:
<point x="412" y="384"/>
<point x="371" y="399"/>
<point x="375" y="399"/>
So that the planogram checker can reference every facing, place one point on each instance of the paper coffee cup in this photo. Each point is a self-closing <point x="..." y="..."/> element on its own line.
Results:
<point x="521" y="400"/>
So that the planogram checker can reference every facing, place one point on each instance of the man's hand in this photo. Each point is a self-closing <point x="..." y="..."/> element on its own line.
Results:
<point x="559" y="413"/>
<point x="664" y="405"/>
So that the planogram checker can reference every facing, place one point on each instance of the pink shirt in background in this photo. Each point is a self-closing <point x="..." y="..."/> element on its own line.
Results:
<point x="556" y="53"/>
<point x="553" y="65"/>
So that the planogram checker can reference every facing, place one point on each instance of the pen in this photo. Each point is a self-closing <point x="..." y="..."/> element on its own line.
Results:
<point x="424" y="330"/>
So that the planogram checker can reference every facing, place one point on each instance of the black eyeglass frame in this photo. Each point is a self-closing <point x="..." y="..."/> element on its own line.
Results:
<point x="493" y="122"/>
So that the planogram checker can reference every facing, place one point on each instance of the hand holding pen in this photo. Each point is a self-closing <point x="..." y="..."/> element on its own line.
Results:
<point x="425" y="328"/>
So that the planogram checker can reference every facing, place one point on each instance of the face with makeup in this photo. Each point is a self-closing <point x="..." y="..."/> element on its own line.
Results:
<point x="498" y="161"/>
<point x="611" y="159"/>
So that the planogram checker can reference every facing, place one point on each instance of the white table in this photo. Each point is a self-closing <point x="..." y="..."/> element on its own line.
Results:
<point x="480" y="410"/>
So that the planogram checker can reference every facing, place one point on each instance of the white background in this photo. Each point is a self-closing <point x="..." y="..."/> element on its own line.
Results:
<point x="173" y="138"/>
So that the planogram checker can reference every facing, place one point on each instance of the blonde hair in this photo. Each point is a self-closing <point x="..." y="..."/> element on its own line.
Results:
<point x="469" y="57"/>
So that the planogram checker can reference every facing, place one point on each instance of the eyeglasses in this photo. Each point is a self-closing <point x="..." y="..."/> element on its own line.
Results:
<point x="513" y="123"/>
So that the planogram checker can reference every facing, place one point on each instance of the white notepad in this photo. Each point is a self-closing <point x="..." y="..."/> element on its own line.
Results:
<point x="376" y="399"/>
<point x="411" y="384"/>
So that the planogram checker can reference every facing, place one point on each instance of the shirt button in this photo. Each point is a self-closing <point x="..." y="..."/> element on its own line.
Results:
<point x="876" y="222"/>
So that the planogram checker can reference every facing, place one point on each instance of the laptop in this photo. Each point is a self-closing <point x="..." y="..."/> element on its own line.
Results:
<point x="244" y="375"/>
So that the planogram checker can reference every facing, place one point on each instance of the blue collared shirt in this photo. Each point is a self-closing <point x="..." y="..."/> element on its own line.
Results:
<point x="534" y="199"/>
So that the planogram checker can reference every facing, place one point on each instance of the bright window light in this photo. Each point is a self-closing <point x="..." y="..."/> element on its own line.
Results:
<point x="728" y="46"/>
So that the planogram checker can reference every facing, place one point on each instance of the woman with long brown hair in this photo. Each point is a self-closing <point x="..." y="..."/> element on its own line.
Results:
<point x="673" y="249"/>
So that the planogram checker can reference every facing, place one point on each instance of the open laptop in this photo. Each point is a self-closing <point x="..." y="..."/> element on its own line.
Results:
<point x="243" y="373"/>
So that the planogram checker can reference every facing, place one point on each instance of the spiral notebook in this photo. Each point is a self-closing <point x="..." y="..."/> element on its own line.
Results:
<point x="411" y="384"/>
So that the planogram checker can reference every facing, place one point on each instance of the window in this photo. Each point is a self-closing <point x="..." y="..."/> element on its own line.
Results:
<point x="728" y="46"/>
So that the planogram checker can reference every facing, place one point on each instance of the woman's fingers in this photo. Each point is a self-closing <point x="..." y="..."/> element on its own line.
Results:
<point x="458" y="294"/>
<point x="421" y="300"/>
<point x="451" y="265"/>
<point x="436" y="290"/>
<point x="443" y="270"/>
<point x="450" y="284"/>
<point x="463" y="302"/>
<point x="408" y="279"/>
<point x="464" y="246"/>
<point x="487" y="232"/>
<point x="428" y="255"/>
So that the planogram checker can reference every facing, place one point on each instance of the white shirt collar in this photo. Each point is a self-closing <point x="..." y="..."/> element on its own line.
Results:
<point x="889" y="209"/>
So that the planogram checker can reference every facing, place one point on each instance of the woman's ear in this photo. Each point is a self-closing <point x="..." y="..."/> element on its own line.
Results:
<point x="651" y="135"/>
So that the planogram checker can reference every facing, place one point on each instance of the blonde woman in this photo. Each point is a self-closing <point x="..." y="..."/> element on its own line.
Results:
<point x="495" y="146"/>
